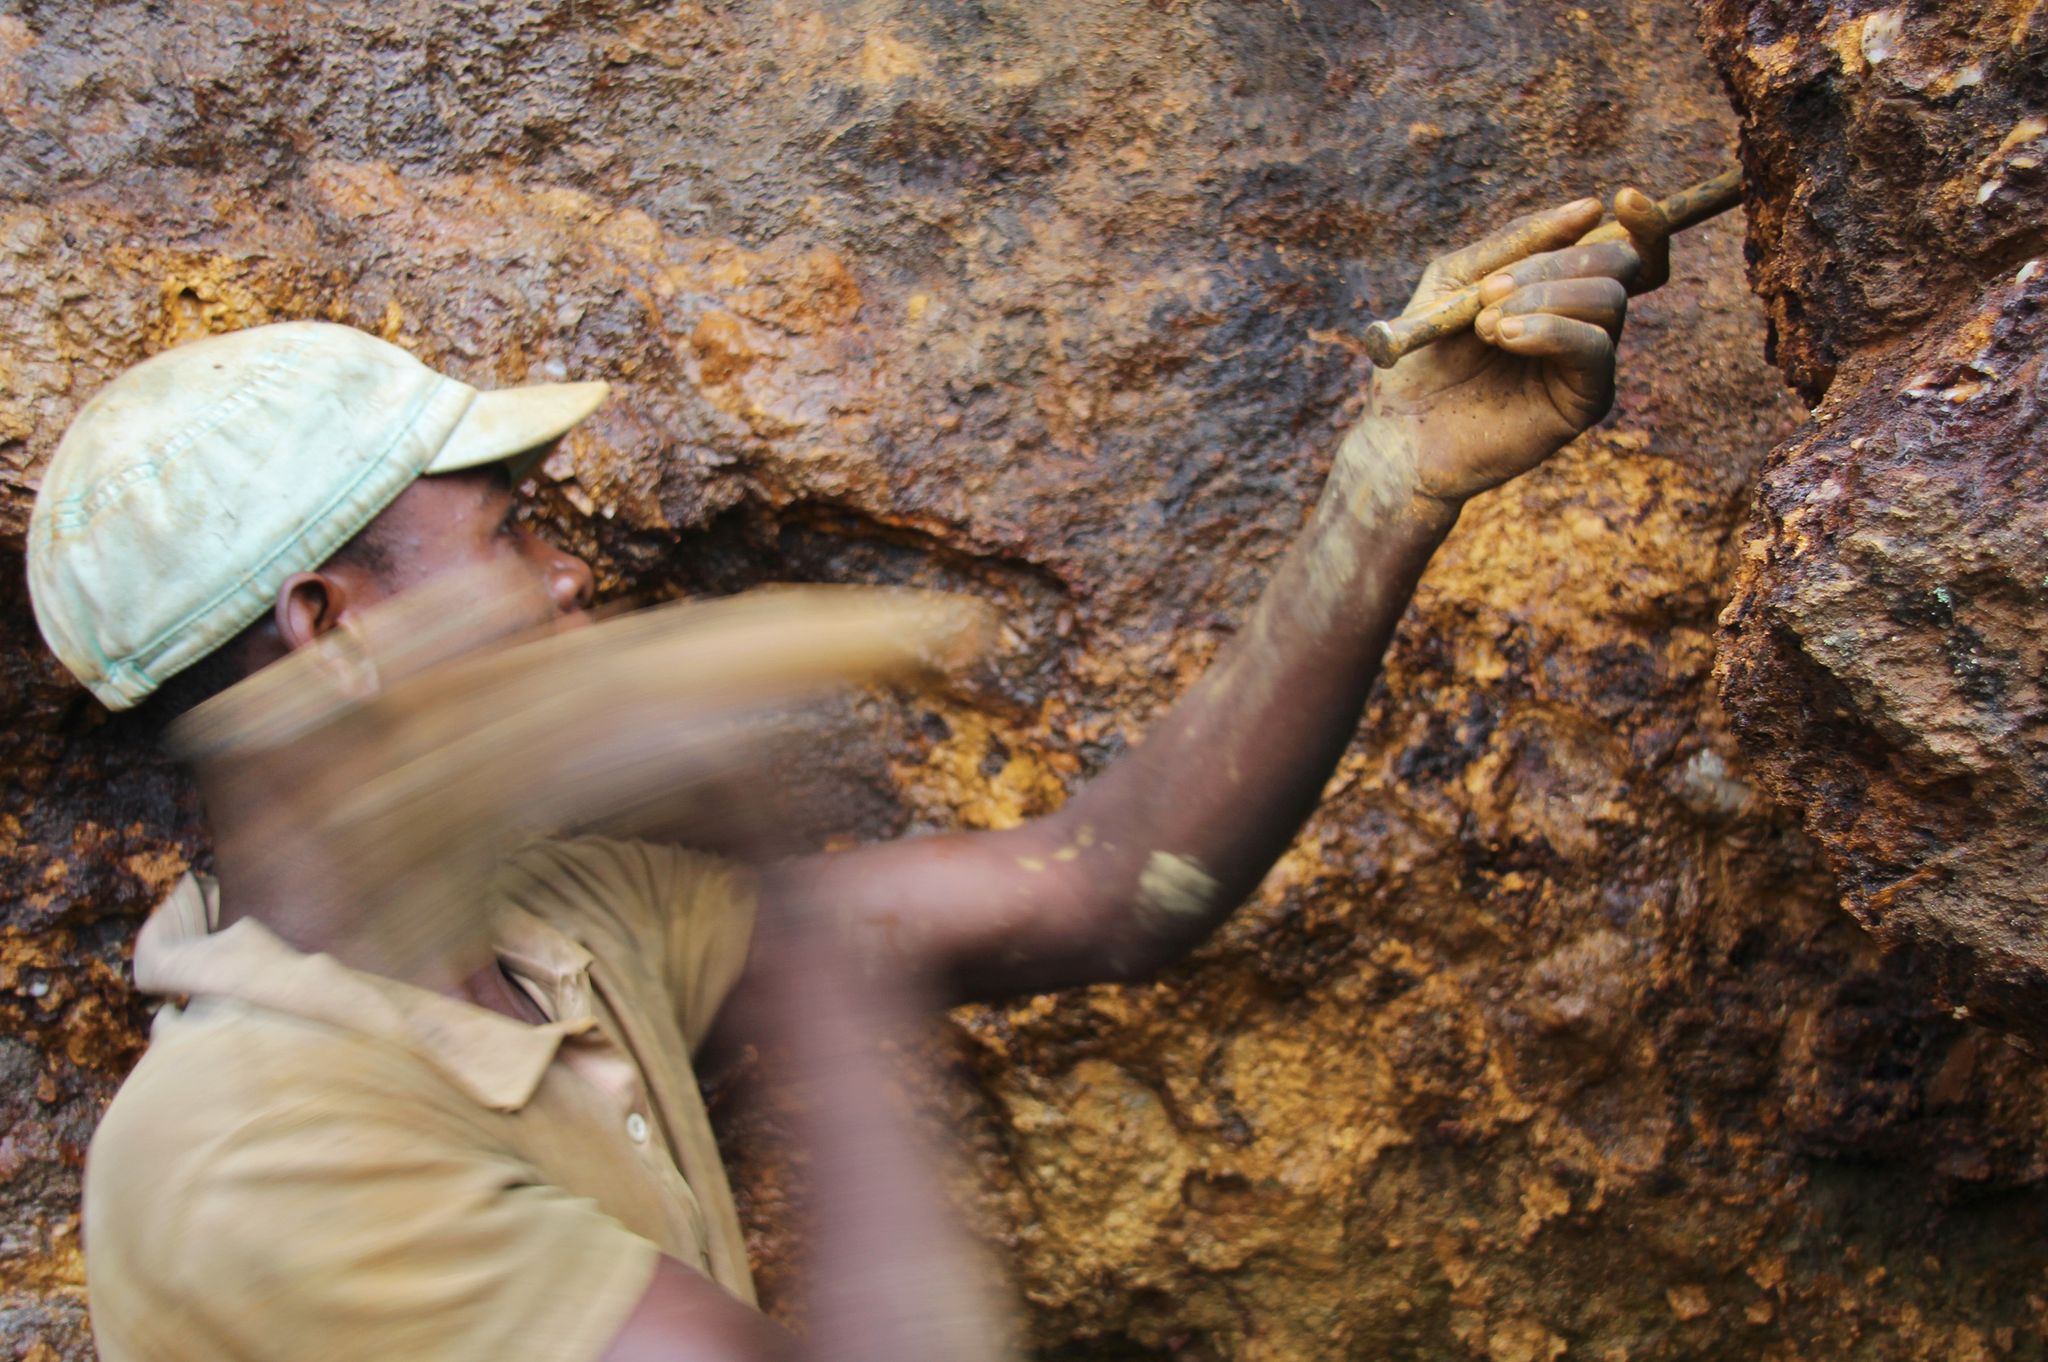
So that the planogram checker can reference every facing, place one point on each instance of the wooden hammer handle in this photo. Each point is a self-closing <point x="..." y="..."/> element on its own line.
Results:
<point x="1387" y="341"/>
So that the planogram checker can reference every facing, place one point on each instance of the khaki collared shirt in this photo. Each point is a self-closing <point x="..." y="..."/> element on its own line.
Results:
<point x="312" y="1162"/>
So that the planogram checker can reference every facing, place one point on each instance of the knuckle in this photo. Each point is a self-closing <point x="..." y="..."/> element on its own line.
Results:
<point x="1603" y="261"/>
<point x="1584" y="336"/>
<point x="1453" y="268"/>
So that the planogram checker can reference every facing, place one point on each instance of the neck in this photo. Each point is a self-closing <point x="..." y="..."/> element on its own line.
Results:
<point x="417" y="925"/>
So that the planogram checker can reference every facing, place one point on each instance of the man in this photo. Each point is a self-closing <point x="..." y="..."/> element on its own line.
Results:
<point x="507" y="1157"/>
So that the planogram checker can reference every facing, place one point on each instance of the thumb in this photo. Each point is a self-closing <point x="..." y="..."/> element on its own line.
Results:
<point x="1650" y="231"/>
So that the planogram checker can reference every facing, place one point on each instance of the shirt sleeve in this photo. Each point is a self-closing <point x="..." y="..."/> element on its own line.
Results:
<point x="381" y="1240"/>
<point x="689" y="915"/>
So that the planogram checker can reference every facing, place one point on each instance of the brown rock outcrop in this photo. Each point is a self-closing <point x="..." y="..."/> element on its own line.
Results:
<point x="1885" y="661"/>
<point x="1546" y="1040"/>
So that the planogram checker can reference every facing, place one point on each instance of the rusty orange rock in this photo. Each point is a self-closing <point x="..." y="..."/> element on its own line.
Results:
<point x="1883" y="653"/>
<point x="1548" y="1022"/>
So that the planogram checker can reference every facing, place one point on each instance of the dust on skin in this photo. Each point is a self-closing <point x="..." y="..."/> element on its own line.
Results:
<point x="1676" y="1100"/>
<point x="1372" y="482"/>
<point x="1174" y="887"/>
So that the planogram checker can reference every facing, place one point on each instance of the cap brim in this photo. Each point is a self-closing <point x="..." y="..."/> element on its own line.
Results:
<point x="503" y="424"/>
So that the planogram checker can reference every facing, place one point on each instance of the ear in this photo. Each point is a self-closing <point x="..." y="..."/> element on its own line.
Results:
<point x="308" y="605"/>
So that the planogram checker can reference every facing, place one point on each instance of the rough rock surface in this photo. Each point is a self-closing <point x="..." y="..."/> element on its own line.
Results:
<point x="1885" y="661"/>
<point x="1547" y="1039"/>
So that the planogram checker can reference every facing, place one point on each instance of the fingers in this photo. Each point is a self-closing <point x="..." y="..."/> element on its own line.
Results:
<point x="1639" y="213"/>
<point x="1601" y="301"/>
<point x="1650" y="232"/>
<point x="1533" y="232"/>
<point x="1606" y="259"/>
<point x="1584" y="352"/>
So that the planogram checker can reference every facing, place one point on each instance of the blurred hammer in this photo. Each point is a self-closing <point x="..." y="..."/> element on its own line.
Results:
<point x="417" y="746"/>
<point x="1387" y="341"/>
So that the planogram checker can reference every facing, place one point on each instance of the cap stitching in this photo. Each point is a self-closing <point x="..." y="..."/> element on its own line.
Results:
<point x="78" y="511"/>
<point x="377" y="464"/>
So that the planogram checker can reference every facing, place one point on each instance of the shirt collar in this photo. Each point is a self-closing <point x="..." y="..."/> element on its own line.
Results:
<point x="496" y="1059"/>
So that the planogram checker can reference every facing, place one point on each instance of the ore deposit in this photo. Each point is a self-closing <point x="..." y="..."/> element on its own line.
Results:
<point x="1550" y="1038"/>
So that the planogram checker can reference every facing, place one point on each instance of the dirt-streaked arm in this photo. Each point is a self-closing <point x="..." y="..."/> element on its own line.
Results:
<point x="1147" y="859"/>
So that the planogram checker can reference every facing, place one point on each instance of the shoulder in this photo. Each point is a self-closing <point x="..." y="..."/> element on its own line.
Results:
<point x="263" y="1186"/>
<point x="217" y="1080"/>
<point x="570" y="867"/>
<point x="217" y="1065"/>
<point x="639" y="888"/>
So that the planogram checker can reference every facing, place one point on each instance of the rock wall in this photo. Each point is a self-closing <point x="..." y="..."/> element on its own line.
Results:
<point x="1547" y="1039"/>
<point x="1885" y="661"/>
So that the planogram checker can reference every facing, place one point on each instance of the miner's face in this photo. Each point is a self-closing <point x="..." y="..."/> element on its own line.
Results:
<point x="459" y="521"/>
<point x="452" y="522"/>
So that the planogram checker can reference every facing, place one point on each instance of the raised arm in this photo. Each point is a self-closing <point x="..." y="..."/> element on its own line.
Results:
<point x="1144" y="862"/>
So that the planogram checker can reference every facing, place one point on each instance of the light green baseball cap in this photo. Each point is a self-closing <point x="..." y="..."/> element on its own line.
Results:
<point x="187" y="490"/>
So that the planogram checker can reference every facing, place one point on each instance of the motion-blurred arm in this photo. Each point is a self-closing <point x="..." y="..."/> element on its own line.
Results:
<point x="890" y="1276"/>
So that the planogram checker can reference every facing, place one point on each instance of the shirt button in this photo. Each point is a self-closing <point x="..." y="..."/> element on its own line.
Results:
<point x="636" y="1128"/>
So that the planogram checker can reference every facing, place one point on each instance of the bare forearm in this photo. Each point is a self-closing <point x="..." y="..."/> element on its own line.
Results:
<point x="1155" y="851"/>
<point x="1148" y="858"/>
<point x="1191" y="820"/>
<point x="1227" y="775"/>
